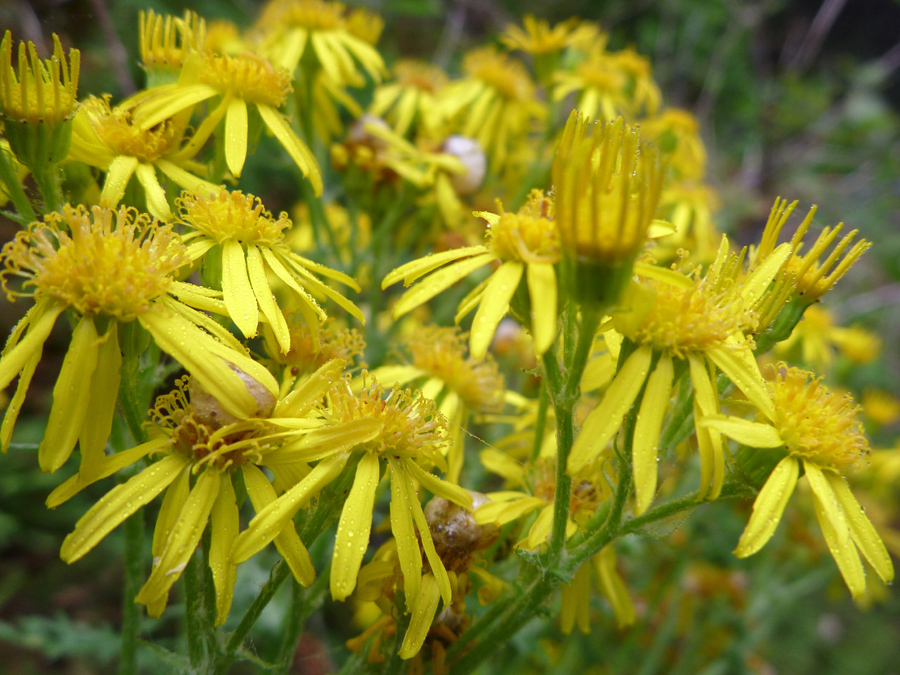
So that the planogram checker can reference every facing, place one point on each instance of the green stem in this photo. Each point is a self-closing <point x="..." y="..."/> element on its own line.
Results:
<point x="302" y="602"/>
<point x="541" y="423"/>
<point x="193" y="611"/>
<point x="131" y="611"/>
<point x="48" y="182"/>
<point x="10" y="178"/>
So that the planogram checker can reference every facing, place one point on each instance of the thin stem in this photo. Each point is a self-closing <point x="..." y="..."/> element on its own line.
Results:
<point x="302" y="603"/>
<point x="131" y="611"/>
<point x="541" y="423"/>
<point x="193" y="611"/>
<point x="48" y="182"/>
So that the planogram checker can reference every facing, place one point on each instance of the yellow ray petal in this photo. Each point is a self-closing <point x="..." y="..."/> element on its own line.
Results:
<point x="827" y="499"/>
<point x="494" y="304"/>
<point x="768" y="507"/>
<point x="404" y="532"/>
<point x="39" y="320"/>
<point x="759" y="280"/>
<point x="298" y="151"/>
<point x="542" y="291"/>
<point x="119" y="172"/>
<point x="183" y="539"/>
<point x="441" y="488"/>
<point x="236" y="135"/>
<point x="745" y="432"/>
<point x="188" y="181"/>
<point x="439" y="281"/>
<point x="604" y="421"/>
<point x="118" y="504"/>
<point x="239" y="297"/>
<point x="70" y="397"/>
<point x="612" y="586"/>
<point x="434" y="560"/>
<point x="741" y="368"/>
<point x="223" y="523"/>
<point x="845" y="555"/>
<point x="104" y="391"/>
<point x="326" y="442"/>
<point x="504" y="512"/>
<point x="354" y="527"/>
<point x="415" y="269"/>
<point x="712" y="457"/>
<point x="424" y="606"/>
<point x="288" y="542"/>
<point x="157" y="204"/>
<point x="272" y="519"/>
<point x="173" y="501"/>
<point x="313" y="388"/>
<point x="647" y="430"/>
<point x="266" y="299"/>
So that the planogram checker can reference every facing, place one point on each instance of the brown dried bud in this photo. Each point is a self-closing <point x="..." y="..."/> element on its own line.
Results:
<point x="456" y="535"/>
<point x="208" y="410"/>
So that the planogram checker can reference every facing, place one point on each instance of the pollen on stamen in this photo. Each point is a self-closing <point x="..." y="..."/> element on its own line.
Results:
<point x="122" y="136"/>
<point x="816" y="424"/>
<point x="97" y="261"/>
<point x="232" y="215"/>
<point x="251" y="77"/>
<point x="529" y="235"/>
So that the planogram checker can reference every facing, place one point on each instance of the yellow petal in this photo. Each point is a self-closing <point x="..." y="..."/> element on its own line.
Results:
<point x="111" y="465"/>
<point x="604" y="421"/>
<point x="266" y="299"/>
<point x="759" y="280"/>
<point x="298" y="151"/>
<point x="542" y="291"/>
<point x="712" y="456"/>
<point x="297" y="263"/>
<point x="424" y="606"/>
<point x="236" y="135"/>
<point x="288" y="542"/>
<point x="575" y="604"/>
<point x="119" y="172"/>
<point x="539" y="531"/>
<point x="434" y="560"/>
<point x="70" y="397"/>
<point x="184" y="537"/>
<point x="39" y="320"/>
<point x="223" y="525"/>
<point x="845" y="555"/>
<point x="173" y="501"/>
<point x="504" y="512"/>
<point x="741" y="368"/>
<point x="415" y="269"/>
<point x="647" y="430"/>
<point x="404" y="532"/>
<point x="494" y="304"/>
<point x="441" y="488"/>
<point x="439" y="281"/>
<point x="612" y="586"/>
<point x="272" y="519"/>
<point x="118" y="504"/>
<point x="326" y="442"/>
<point x="354" y="527"/>
<point x="768" y="507"/>
<point x="104" y="391"/>
<point x="170" y="102"/>
<point x="312" y="389"/>
<point x="745" y="432"/>
<point x="238" y="294"/>
<point x="11" y="414"/>
<point x="864" y="534"/>
<point x="188" y="181"/>
<point x="305" y="300"/>
<point x="157" y="204"/>
<point x="827" y="499"/>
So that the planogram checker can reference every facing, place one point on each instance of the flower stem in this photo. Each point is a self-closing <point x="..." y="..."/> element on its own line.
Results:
<point x="131" y="611"/>
<point x="193" y="611"/>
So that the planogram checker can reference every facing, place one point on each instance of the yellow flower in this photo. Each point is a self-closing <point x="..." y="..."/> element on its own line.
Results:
<point x="294" y="28"/>
<point x="817" y="432"/>
<point x="239" y="81"/>
<point x="235" y="233"/>
<point x="677" y="135"/>
<point x="607" y="187"/>
<point x="526" y="244"/>
<point x="575" y="605"/>
<point x="816" y="335"/>
<point x="880" y="406"/>
<point x="601" y="84"/>
<point x="165" y="42"/>
<point x="690" y="207"/>
<point x="495" y="103"/>
<point x="537" y="37"/>
<point x="411" y="101"/>
<point x="36" y="107"/>
<point x="200" y="456"/>
<point x="108" y="139"/>
<point x="814" y="277"/>
<point x="460" y="384"/>
<point x="702" y="321"/>
<point x="110" y="268"/>
<point x="411" y="434"/>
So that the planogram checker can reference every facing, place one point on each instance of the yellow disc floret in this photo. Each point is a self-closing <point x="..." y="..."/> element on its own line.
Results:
<point x="118" y="132"/>
<point x="510" y="78"/>
<point x="248" y="76"/>
<point x="96" y="261"/>
<point x="815" y="424"/>
<point x="232" y="216"/>
<point x="529" y="235"/>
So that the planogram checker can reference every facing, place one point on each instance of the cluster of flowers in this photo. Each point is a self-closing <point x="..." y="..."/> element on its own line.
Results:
<point x="582" y="265"/>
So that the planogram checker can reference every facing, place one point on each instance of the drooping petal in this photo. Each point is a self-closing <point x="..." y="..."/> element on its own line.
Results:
<point x="236" y="135"/>
<point x="504" y="512"/>
<point x="416" y="269"/>
<point x="295" y="147"/>
<point x="157" y="204"/>
<point x="104" y="391"/>
<point x="173" y="501"/>
<point x="119" y="172"/>
<point x="404" y="532"/>
<point x="612" y="586"/>
<point x="40" y="320"/>
<point x="845" y="555"/>
<point x="542" y="291"/>
<point x="236" y="289"/>
<point x="861" y="529"/>
<point x="647" y="430"/>
<point x="712" y="456"/>
<point x="434" y="560"/>
<point x="423" y="607"/>
<point x="11" y="414"/>
<point x="758" y="281"/>
<point x="354" y="527"/>
<point x="275" y="517"/>
<point x="604" y="421"/>
<point x="768" y="507"/>
<point x="118" y="504"/>
<point x="494" y="304"/>
<point x="827" y="499"/>
<point x="223" y="521"/>
<point x="70" y="397"/>
<point x="745" y="432"/>
<point x="288" y="542"/>
<point x="183" y="539"/>
<point x="266" y="299"/>
<point x="441" y="280"/>
<point x="576" y="602"/>
<point x="440" y="488"/>
<point x="740" y="366"/>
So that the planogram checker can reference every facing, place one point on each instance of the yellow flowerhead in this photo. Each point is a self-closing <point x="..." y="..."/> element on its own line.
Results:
<point x="677" y="135"/>
<point x="537" y="37"/>
<point x="110" y="268"/>
<point x="200" y="455"/>
<point x="36" y="106"/>
<point x="608" y="186"/>
<point x="45" y="92"/>
<point x="525" y="243"/>
<point x="817" y="335"/>
<point x="410" y="103"/>
<point x="235" y="233"/>
<point x="109" y="139"/>
<point x="809" y="428"/>
<point x="602" y="84"/>
<point x="166" y="41"/>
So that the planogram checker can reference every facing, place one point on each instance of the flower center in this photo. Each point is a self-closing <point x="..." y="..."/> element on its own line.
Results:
<point x="815" y="424"/>
<point x="232" y="215"/>
<point x="98" y="261"/>
<point x="118" y="132"/>
<point x="496" y="70"/>
<point x="599" y="73"/>
<point x="311" y="14"/>
<point x="248" y="76"/>
<point x="421" y="76"/>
